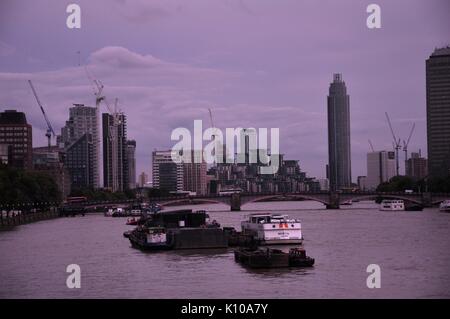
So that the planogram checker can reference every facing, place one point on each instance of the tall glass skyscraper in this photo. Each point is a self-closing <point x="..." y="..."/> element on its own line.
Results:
<point x="438" y="112"/>
<point x="339" y="158"/>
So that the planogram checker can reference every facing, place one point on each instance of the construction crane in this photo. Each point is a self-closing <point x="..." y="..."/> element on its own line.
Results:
<point x="371" y="146"/>
<point x="396" y="144"/>
<point x="405" y="144"/>
<point x="50" y="132"/>
<point x="213" y="135"/>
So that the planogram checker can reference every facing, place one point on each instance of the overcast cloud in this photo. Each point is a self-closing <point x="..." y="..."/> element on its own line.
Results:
<point x="256" y="63"/>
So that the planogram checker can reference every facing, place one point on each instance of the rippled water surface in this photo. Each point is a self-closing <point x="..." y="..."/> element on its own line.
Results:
<point x="412" y="249"/>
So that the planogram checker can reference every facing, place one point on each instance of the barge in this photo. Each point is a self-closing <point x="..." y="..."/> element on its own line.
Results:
<point x="273" y="229"/>
<point x="272" y="258"/>
<point x="180" y="229"/>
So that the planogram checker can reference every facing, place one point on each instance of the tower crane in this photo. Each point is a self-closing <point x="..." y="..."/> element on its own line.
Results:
<point x="50" y="132"/>
<point x="396" y="143"/>
<point x="405" y="144"/>
<point x="371" y="146"/>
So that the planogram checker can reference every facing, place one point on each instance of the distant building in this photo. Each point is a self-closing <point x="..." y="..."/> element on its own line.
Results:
<point x="381" y="167"/>
<point x="362" y="183"/>
<point x="416" y="166"/>
<point x="131" y="160"/>
<point x="194" y="174"/>
<point x="324" y="184"/>
<point x="82" y="127"/>
<point x="4" y="153"/>
<point x="438" y="112"/>
<point x="115" y="152"/>
<point x="51" y="162"/>
<point x="17" y="134"/>
<point x="339" y="152"/>
<point x="143" y="179"/>
<point x="80" y="163"/>
<point x="166" y="174"/>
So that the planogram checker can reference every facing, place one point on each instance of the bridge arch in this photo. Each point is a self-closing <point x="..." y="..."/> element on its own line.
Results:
<point x="344" y="198"/>
<point x="203" y="200"/>
<point x="251" y="199"/>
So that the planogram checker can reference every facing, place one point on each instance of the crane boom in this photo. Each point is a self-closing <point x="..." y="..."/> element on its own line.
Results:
<point x="50" y="130"/>
<point x="390" y="127"/>
<point x="371" y="146"/>
<point x="410" y="134"/>
<point x="396" y="143"/>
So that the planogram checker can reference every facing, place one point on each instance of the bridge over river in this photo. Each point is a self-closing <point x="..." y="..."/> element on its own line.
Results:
<point x="332" y="200"/>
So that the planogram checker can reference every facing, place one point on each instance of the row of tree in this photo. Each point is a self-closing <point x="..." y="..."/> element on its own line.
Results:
<point x="20" y="186"/>
<point x="402" y="183"/>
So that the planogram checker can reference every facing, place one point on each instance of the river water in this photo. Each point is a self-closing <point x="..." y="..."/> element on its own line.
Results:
<point x="411" y="248"/>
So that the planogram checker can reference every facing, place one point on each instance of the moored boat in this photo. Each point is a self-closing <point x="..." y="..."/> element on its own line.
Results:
<point x="392" y="205"/>
<point x="272" y="258"/>
<point x="181" y="229"/>
<point x="445" y="206"/>
<point x="270" y="229"/>
<point x="132" y="221"/>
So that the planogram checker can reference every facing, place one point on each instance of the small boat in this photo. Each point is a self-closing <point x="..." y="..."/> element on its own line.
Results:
<point x="392" y="205"/>
<point x="445" y="206"/>
<point x="272" y="258"/>
<point x="127" y="233"/>
<point x="132" y="221"/>
<point x="349" y="202"/>
<point x="269" y="229"/>
<point x="149" y="238"/>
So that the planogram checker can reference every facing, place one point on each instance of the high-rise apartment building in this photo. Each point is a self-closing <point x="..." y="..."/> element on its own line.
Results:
<point x="166" y="174"/>
<point x="381" y="167"/>
<point x="339" y="152"/>
<point x="416" y="166"/>
<point x="115" y="156"/>
<point x="438" y="112"/>
<point x="131" y="160"/>
<point x="16" y="136"/>
<point x="194" y="174"/>
<point x="143" y="179"/>
<point x="83" y="124"/>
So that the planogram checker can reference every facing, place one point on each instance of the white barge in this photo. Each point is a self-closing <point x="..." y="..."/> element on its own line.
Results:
<point x="270" y="229"/>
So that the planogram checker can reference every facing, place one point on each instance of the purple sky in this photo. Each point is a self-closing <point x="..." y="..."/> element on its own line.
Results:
<point x="258" y="63"/>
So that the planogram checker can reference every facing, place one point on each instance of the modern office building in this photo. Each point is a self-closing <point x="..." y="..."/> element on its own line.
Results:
<point x="83" y="124"/>
<point x="339" y="152"/>
<point x="166" y="174"/>
<point x="416" y="166"/>
<point x="131" y="160"/>
<point x="194" y="174"/>
<point x="143" y="179"/>
<point x="362" y="183"/>
<point x="80" y="162"/>
<point x="438" y="112"/>
<point x="16" y="133"/>
<point x="381" y="167"/>
<point x="115" y="152"/>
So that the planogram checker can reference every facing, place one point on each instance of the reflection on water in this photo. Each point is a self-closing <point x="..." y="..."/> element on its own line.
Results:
<point x="412" y="249"/>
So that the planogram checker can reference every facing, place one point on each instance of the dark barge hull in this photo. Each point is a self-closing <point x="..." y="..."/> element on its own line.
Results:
<point x="185" y="238"/>
<point x="271" y="258"/>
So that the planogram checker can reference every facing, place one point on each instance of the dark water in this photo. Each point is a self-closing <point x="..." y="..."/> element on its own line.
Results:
<point x="412" y="249"/>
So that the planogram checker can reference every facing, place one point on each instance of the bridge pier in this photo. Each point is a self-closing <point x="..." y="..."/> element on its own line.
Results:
<point x="426" y="200"/>
<point x="235" y="202"/>
<point x="333" y="201"/>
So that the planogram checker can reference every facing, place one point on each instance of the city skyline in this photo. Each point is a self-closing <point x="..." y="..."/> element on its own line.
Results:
<point x="284" y="85"/>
